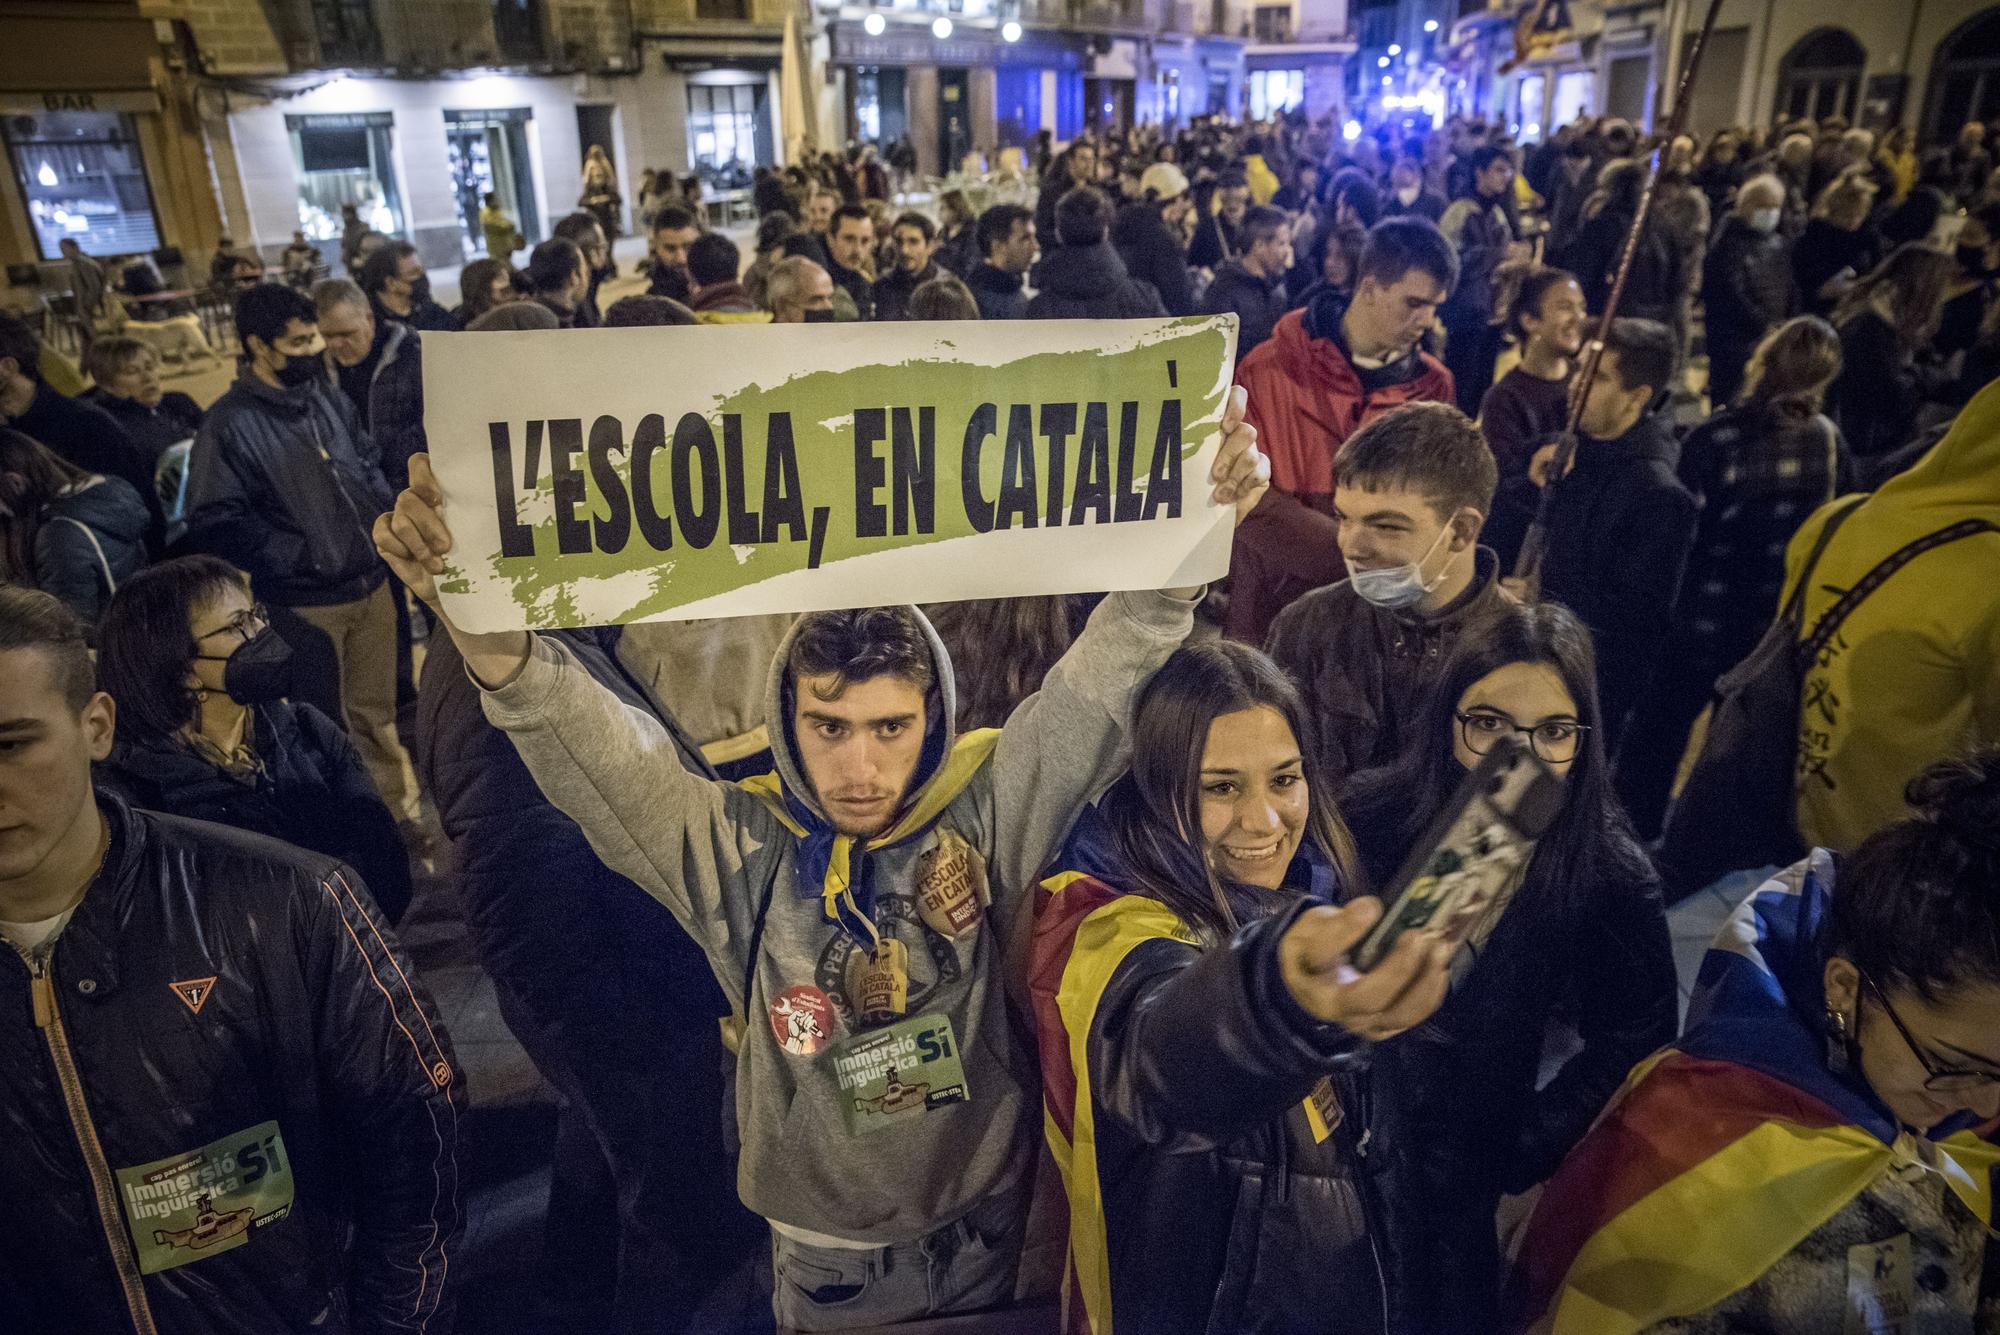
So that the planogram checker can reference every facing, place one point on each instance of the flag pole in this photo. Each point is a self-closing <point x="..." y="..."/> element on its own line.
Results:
<point x="1529" y="567"/>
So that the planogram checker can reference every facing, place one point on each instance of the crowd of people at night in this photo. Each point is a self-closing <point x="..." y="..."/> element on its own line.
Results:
<point x="1111" y="855"/>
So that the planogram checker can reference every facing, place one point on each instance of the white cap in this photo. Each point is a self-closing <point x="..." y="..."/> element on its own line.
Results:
<point x="1163" y="181"/>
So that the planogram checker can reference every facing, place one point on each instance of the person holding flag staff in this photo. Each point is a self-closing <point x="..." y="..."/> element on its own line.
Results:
<point x="1203" y="1046"/>
<point x="1817" y="1152"/>
<point x="855" y="905"/>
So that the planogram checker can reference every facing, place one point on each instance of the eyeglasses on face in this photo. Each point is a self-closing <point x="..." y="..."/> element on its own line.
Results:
<point x="1937" y="1079"/>
<point x="245" y="623"/>
<point x="1555" y="740"/>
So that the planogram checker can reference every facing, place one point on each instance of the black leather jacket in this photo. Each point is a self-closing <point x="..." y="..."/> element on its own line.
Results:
<point x="286" y="484"/>
<point x="221" y="992"/>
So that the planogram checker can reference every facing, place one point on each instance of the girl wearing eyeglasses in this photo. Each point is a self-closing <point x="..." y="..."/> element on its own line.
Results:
<point x="1575" y="970"/>
<point x="1816" y="1153"/>
<point x="205" y="731"/>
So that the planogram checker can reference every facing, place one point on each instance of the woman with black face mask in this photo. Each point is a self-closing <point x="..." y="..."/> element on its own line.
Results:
<point x="205" y="731"/>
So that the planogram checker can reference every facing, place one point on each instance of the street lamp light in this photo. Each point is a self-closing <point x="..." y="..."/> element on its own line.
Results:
<point x="1382" y="62"/>
<point x="1430" y="25"/>
<point x="1010" y="31"/>
<point x="940" y="27"/>
<point x="1395" y="49"/>
<point x="874" y="24"/>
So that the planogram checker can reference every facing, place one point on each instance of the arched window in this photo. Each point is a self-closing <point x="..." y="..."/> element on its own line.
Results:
<point x="1820" y="76"/>
<point x="1965" y="77"/>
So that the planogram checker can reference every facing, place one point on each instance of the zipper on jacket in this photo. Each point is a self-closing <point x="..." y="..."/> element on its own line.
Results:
<point x="48" y="1019"/>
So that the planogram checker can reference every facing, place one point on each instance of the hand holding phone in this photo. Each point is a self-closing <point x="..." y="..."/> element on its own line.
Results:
<point x="1400" y="992"/>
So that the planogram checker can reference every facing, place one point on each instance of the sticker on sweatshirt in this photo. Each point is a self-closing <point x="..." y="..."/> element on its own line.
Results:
<point x="929" y="959"/>
<point x="951" y="886"/>
<point x="878" y="983"/>
<point x="802" y="1020"/>
<point x="207" y="1201"/>
<point x="895" y="1075"/>
<point x="1880" y="1295"/>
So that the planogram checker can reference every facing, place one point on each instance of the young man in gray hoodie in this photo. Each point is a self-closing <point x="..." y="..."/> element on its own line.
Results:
<point x="857" y="906"/>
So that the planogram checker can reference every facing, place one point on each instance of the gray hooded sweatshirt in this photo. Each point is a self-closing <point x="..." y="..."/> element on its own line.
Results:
<point x="831" y="1144"/>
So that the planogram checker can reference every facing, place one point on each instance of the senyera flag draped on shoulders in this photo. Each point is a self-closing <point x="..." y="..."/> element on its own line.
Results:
<point x="614" y="475"/>
<point x="1727" y="1150"/>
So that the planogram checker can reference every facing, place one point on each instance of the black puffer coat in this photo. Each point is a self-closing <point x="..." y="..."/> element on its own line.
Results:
<point x="1089" y="283"/>
<point x="284" y="483"/>
<point x="221" y="992"/>
<point x="313" y="792"/>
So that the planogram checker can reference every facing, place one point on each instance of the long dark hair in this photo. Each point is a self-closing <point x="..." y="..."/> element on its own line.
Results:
<point x="45" y="477"/>
<point x="1001" y="648"/>
<point x="1915" y="278"/>
<point x="1591" y="843"/>
<point x="145" y="644"/>
<point x="1155" y="811"/>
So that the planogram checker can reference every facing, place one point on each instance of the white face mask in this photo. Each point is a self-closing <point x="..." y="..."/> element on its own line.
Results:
<point x="1394" y="587"/>
<point x="1408" y="194"/>
<point x="1764" y="220"/>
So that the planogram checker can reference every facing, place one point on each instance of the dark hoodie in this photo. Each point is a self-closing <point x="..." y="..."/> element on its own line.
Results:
<point x="1153" y="255"/>
<point x="1256" y="302"/>
<point x="1001" y="295"/>
<point x="1090" y="283"/>
<point x="1620" y="527"/>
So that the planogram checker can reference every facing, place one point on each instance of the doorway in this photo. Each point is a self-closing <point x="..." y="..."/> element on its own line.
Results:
<point x="954" y="119"/>
<point x="594" y="129"/>
<point x="488" y="150"/>
<point x="1965" y="78"/>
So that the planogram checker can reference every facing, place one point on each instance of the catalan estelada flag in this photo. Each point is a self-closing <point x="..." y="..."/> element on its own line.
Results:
<point x="1725" y="1151"/>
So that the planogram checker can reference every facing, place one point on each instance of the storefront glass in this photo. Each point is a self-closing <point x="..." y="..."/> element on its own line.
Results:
<point x="1275" y="91"/>
<point x="881" y="113"/>
<point x="82" y="179"/>
<point x="728" y="134"/>
<point x="489" y="151"/>
<point x="346" y="160"/>
<point x="1017" y="104"/>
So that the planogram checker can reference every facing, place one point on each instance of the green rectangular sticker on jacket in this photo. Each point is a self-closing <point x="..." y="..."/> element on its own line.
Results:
<point x="206" y="1201"/>
<point x="897" y="1074"/>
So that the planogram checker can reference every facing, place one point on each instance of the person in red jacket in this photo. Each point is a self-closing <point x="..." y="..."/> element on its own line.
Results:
<point x="1330" y="368"/>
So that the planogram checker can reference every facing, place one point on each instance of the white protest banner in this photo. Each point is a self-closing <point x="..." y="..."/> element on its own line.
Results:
<point x="603" y="476"/>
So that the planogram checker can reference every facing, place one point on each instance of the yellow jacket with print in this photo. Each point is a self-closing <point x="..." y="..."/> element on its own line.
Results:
<point x="1914" y="673"/>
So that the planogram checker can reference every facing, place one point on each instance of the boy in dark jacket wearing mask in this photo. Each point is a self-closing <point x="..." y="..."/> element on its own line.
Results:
<point x="1621" y="523"/>
<point x="284" y="483"/>
<point x="1410" y="490"/>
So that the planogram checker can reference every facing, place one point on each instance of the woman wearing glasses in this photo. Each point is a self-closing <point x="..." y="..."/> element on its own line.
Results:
<point x="1583" y="940"/>
<point x="205" y="731"/>
<point x="1815" y="1153"/>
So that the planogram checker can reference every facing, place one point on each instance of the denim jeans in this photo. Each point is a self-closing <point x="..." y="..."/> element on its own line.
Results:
<point x="965" y="1266"/>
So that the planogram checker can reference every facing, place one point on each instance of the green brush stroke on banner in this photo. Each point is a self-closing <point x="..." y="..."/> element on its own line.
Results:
<point x="822" y="405"/>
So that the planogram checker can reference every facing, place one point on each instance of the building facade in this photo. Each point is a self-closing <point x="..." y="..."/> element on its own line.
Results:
<point x="1928" y="64"/>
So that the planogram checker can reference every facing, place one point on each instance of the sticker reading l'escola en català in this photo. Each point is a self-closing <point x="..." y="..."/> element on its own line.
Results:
<point x="898" y="1074"/>
<point x="206" y="1201"/>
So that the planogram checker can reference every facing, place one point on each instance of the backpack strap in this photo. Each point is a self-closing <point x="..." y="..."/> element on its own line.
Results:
<point x="1830" y="620"/>
<point x="110" y="580"/>
<point x="1795" y="605"/>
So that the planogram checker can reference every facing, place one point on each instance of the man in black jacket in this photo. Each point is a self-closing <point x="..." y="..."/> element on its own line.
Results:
<point x="850" y="244"/>
<point x="1147" y="233"/>
<point x="559" y="278"/>
<point x="82" y="433"/>
<point x="1477" y="227"/>
<point x="227" y="1105"/>
<point x="399" y="290"/>
<point x="916" y="243"/>
<point x="1746" y="284"/>
<point x="1084" y="279"/>
<point x="631" y="1041"/>
<point x="284" y="483"/>
<point x="1621" y="523"/>
<point x="1007" y="239"/>
<point x="1077" y="166"/>
<point x="1253" y="284"/>
<point x="674" y="230"/>
<point x="378" y="365"/>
